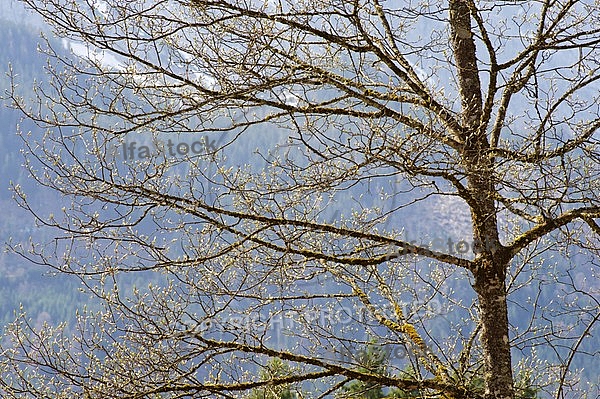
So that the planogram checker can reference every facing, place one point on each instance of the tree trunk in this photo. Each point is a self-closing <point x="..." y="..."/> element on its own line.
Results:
<point x="490" y="270"/>
<point x="491" y="292"/>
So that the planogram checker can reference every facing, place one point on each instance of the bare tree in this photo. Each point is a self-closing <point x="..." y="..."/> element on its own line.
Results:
<point x="381" y="109"/>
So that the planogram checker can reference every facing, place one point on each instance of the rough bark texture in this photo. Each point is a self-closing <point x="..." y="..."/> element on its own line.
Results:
<point x="490" y="272"/>
<point x="491" y="291"/>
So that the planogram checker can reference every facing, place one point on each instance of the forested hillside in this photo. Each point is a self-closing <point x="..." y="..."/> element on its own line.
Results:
<point x="381" y="202"/>
<point x="43" y="297"/>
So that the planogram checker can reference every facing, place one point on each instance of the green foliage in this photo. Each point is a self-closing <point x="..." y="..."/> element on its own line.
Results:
<point x="409" y="372"/>
<point x="374" y="359"/>
<point x="524" y="388"/>
<point x="275" y="368"/>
